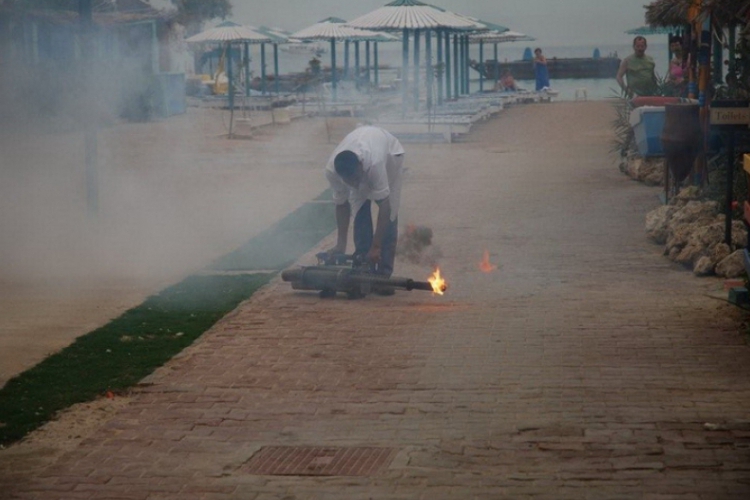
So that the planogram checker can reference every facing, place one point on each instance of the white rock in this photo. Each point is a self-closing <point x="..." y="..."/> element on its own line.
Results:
<point x="732" y="266"/>
<point x="704" y="266"/>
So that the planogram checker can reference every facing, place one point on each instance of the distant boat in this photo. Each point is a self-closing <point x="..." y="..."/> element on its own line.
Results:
<point x="312" y="49"/>
<point x="559" y="68"/>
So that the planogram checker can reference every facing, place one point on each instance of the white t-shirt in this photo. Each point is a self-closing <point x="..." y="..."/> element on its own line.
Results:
<point x="379" y="151"/>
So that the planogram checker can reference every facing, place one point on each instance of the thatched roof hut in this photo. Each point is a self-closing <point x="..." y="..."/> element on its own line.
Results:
<point x="675" y="12"/>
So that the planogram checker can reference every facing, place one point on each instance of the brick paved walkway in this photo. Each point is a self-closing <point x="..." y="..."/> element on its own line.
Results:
<point x="586" y="366"/>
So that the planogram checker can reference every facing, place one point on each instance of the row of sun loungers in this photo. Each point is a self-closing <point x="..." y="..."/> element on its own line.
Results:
<point x="448" y="121"/>
<point x="444" y="122"/>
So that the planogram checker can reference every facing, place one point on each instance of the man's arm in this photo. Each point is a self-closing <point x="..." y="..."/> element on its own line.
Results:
<point x="384" y="218"/>
<point x="343" y="210"/>
<point x="621" y="74"/>
<point x="343" y="214"/>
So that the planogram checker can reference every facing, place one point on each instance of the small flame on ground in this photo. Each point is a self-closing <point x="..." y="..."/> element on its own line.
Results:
<point x="438" y="283"/>
<point x="485" y="265"/>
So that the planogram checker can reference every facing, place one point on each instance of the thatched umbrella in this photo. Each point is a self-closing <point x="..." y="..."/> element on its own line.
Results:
<point x="413" y="16"/>
<point x="721" y="14"/>
<point x="724" y="14"/>
<point x="675" y="12"/>
<point x="653" y="30"/>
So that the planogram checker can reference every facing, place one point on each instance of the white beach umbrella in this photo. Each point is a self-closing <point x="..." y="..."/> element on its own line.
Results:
<point x="278" y="36"/>
<point x="500" y="37"/>
<point x="413" y="16"/>
<point x="495" y="37"/>
<point x="333" y="29"/>
<point x="226" y="34"/>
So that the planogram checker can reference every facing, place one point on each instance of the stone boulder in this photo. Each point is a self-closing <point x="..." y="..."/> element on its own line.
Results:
<point x="732" y="266"/>
<point x="685" y="195"/>
<point x="657" y="223"/>
<point x="693" y="234"/>
<point x="704" y="266"/>
<point x="650" y="171"/>
<point x="702" y="212"/>
<point x="719" y="252"/>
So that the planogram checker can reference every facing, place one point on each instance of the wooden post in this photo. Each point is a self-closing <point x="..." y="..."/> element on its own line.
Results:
<point x="89" y="127"/>
<point x="428" y="66"/>
<point x="416" y="70"/>
<point x="481" y="66"/>
<point x="439" y="43"/>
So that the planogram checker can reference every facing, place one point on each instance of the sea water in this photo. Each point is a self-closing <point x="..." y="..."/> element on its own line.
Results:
<point x="390" y="57"/>
<point x="596" y="88"/>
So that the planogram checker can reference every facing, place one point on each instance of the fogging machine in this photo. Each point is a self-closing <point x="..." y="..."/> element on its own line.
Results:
<point x="349" y="274"/>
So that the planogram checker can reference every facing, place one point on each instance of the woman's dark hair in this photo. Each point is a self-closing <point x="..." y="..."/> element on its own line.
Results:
<point x="675" y="39"/>
<point x="346" y="163"/>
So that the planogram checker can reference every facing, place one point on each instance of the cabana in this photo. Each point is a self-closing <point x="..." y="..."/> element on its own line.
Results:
<point x="495" y="37"/>
<point x="413" y="17"/>
<point x="277" y="36"/>
<point x="226" y="34"/>
<point x="333" y="29"/>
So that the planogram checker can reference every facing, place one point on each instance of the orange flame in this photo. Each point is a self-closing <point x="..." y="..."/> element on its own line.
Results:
<point x="485" y="265"/>
<point x="438" y="283"/>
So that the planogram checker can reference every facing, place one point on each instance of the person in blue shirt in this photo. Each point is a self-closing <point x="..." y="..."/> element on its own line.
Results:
<point x="540" y="70"/>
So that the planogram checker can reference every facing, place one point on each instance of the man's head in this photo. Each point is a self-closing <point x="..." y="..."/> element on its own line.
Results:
<point x="538" y="51"/>
<point x="639" y="45"/>
<point x="349" y="168"/>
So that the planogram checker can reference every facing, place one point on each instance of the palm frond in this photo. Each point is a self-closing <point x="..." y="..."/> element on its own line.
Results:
<point x="675" y="12"/>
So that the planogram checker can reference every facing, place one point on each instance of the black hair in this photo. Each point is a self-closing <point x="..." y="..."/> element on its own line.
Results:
<point x="640" y="37"/>
<point x="346" y="163"/>
<point x="675" y="39"/>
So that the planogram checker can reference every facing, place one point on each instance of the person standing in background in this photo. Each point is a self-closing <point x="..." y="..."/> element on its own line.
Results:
<point x="636" y="75"/>
<point x="541" y="71"/>
<point x="676" y="74"/>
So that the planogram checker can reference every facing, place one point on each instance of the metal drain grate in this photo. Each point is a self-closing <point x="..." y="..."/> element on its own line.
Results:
<point x="319" y="461"/>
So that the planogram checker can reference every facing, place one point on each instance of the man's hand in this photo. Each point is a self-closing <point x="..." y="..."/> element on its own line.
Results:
<point x="336" y="250"/>
<point x="374" y="255"/>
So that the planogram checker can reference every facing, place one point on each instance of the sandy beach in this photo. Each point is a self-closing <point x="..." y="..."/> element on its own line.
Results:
<point x="585" y="364"/>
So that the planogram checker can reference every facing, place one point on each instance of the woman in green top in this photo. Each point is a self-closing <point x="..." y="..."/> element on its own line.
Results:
<point x="638" y="70"/>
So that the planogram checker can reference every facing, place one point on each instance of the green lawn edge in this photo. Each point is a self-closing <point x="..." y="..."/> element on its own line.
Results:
<point x="118" y="355"/>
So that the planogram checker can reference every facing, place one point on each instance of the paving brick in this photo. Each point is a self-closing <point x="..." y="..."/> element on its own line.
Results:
<point x="585" y="367"/>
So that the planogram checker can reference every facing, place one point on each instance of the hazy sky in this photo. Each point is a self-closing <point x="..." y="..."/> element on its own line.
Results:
<point x="570" y="22"/>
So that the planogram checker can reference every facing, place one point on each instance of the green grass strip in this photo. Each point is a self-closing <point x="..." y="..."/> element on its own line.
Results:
<point x="282" y="244"/>
<point x="118" y="355"/>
